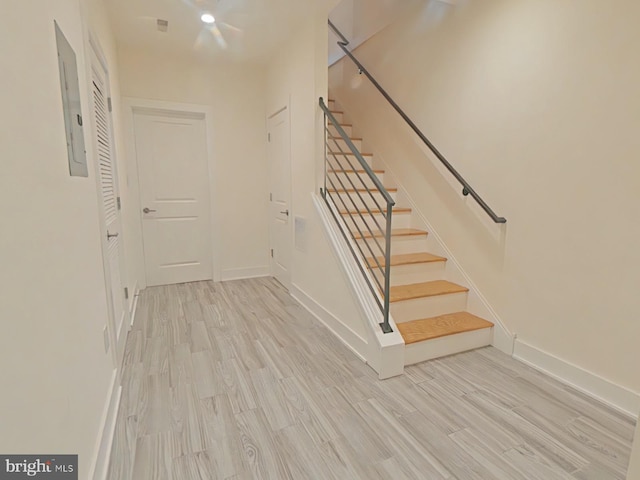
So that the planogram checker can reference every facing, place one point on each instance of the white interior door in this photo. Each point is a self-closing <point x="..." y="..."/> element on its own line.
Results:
<point x="111" y="228"/>
<point x="171" y="149"/>
<point x="279" y="150"/>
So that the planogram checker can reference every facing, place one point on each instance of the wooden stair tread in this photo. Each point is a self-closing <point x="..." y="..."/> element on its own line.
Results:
<point x="349" y="153"/>
<point x="346" y="170"/>
<point x="396" y="232"/>
<point x="365" y="211"/>
<point x="441" y="326"/>
<point x="407" y="259"/>
<point x="425" y="289"/>
<point x="340" y="138"/>
<point x="361" y="190"/>
<point x="336" y="112"/>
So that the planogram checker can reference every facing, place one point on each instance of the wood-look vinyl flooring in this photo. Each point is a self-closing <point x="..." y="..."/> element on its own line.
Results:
<point x="235" y="380"/>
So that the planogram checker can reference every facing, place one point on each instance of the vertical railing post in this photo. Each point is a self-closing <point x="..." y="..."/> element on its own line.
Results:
<point x="326" y="132"/>
<point x="349" y="236"/>
<point x="386" y="327"/>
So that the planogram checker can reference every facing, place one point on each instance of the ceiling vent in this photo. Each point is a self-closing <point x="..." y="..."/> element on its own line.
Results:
<point x="163" y="25"/>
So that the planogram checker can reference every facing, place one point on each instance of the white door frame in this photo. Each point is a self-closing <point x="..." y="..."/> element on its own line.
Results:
<point x="117" y="333"/>
<point x="133" y="105"/>
<point x="283" y="106"/>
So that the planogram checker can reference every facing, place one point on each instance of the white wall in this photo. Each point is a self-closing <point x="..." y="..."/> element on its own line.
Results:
<point x="55" y="374"/>
<point x="298" y="74"/>
<point x="536" y="104"/>
<point x="359" y="20"/>
<point x="235" y="92"/>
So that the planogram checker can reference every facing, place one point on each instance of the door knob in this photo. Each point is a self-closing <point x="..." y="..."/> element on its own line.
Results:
<point x="111" y="235"/>
<point x="147" y="210"/>
<point x="286" y="212"/>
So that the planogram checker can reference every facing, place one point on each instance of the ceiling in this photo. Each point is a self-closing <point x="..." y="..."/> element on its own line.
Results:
<point x="359" y="20"/>
<point x="245" y="30"/>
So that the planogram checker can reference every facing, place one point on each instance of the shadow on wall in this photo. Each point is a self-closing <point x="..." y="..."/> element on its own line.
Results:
<point x="406" y="156"/>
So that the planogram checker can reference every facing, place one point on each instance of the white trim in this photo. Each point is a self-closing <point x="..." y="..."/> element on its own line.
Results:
<point x="248" y="272"/>
<point x="616" y="396"/>
<point x="477" y="303"/>
<point x="100" y="464"/>
<point x="122" y="334"/>
<point x="131" y="105"/>
<point x="345" y="258"/>
<point x="385" y="350"/>
<point x="134" y="304"/>
<point x="503" y="339"/>
<point x="348" y="337"/>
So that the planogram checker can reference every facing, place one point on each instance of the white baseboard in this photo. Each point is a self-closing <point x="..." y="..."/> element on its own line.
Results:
<point x="242" y="273"/>
<point x="385" y="352"/>
<point x="616" y="396"/>
<point x="351" y="339"/>
<point x="134" y="305"/>
<point x="100" y="465"/>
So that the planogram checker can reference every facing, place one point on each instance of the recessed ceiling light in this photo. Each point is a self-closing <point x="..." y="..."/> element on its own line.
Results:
<point x="207" y="18"/>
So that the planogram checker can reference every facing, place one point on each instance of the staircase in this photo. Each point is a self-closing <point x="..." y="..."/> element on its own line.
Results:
<point x="429" y="311"/>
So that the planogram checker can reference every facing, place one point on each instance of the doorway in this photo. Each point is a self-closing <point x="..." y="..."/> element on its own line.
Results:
<point x="173" y="172"/>
<point x="109" y="206"/>
<point x="279" y="157"/>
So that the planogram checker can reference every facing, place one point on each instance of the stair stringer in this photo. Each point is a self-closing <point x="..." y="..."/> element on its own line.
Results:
<point x="385" y="351"/>
<point x="477" y="303"/>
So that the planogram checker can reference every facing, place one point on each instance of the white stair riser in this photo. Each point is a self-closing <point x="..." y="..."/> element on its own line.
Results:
<point x="347" y="162"/>
<point x="347" y="129"/>
<point x="339" y="142"/>
<point x="426" y="307"/>
<point x="407" y="274"/>
<point x="443" y="346"/>
<point x="408" y="244"/>
<point x="338" y="116"/>
<point x="360" y="179"/>
<point x="400" y="220"/>
<point x="362" y="198"/>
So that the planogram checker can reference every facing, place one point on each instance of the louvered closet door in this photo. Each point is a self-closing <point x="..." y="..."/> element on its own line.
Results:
<point x="108" y="191"/>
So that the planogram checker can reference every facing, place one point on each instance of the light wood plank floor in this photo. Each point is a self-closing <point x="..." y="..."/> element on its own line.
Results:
<point x="235" y="380"/>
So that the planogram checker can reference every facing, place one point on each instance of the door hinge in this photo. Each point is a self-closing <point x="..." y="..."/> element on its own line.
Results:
<point x="109" y="104"/>
<point x="126" y="292"/>
<point x="119" y="203"/>
<point x="272" y="253"/>
<point x="269" y="136"/>
<point x="271" y="197"/>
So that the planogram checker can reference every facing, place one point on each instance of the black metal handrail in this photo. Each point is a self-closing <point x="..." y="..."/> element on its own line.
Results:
<point x="466" y="188"/>
<point x="344" y="178"/>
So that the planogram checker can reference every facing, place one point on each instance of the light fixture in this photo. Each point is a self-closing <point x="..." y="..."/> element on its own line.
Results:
<point x="207" y="18"/>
